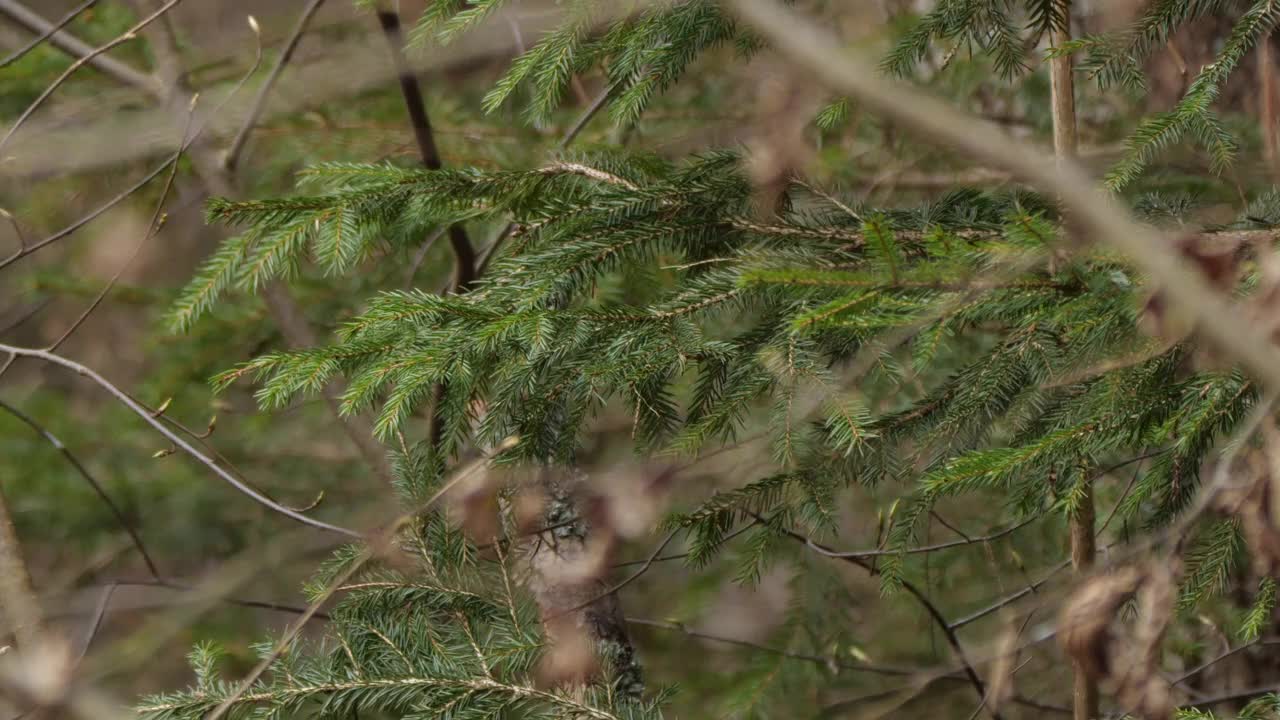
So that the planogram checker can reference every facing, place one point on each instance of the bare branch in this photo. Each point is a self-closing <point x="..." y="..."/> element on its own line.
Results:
<point x="173" y="437"/>
<point x="153" y="227"/>
<point x="73" y="46"/>
<point x="88" y="477"/>
<point x="827" y="661"/>
<point x="939" y="620"/>
<point x="924" y="548"/>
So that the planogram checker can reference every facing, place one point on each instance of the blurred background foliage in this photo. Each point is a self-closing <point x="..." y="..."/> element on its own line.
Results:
<point x="194" y="524"/>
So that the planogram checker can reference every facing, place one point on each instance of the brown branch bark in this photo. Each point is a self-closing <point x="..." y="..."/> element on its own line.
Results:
<point x="464" y="269"/>
<point x="1084" y="694"/>
<point x="1267" y="112"/>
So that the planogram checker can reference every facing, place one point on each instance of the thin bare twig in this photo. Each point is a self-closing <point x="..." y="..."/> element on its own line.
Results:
<point x="73" y="46"/>
<point x="878" y="552"/>
<point x="22" y="317"/>
<point x="932" y="610"/>
<point x="188" y="141"/>
<point x="173" y="437"/>
<point x="232" y="156"/>
<point x="95" y="623"/>
<point x="644" y="568"/>
<point x="88" y="477"/>
<point x="576" y="129"/>
<point x="153" y="227"/>
<point x="824" y="661"/>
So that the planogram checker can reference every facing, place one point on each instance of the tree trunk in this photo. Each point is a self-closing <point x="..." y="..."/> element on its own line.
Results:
<point x="567" y="568"/>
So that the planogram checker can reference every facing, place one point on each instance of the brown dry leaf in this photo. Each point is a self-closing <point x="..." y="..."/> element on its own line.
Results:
<point x="475" y="505"/>
<point x="1128" y="662"/>
<point x="1254" y="503"/>
<point x="1139" y="685"/>
<point x="1006" y="655"/>
<point x="632" y="498"/>
<point x="1216" y="257"/>
<point x="779" y="149"/>
<point x="528" y="508"/>
<point x="1087" y="616"/>
<point x="44" y="670"/>
<point x="570" y="659"/>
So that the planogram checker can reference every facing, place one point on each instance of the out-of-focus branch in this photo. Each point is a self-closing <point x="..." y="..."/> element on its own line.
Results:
<point x="76" y="48"/>
<point x="219" y="180"/>
<point x="173" y="437"/>
<point x="18" y="54"/>
<point x="19" y="608"/>
<point x="880" y="552"/>
<point x="85" y="59"/>
<point x="1096" y="214"/>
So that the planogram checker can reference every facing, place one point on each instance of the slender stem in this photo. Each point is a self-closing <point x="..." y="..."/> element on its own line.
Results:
<point x="87" y="59"/>
<point x="1062" y="91"/>
<point x="934" y="613"/>
<point x="76" y="48"/>
<point x="84" y="473"/>
<point x="232" y="156"/>
<point x="925" y="549"/>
